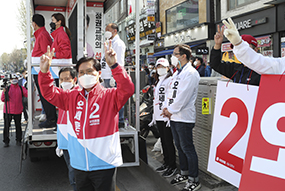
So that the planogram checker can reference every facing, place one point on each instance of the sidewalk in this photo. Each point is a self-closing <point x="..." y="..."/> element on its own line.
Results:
<point x="155" y="160"/>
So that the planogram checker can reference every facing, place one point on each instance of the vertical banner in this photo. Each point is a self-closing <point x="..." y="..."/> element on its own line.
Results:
<point x="264" y="167"/>
<point x="94" y="38"/>
<point x="233" y="115"/>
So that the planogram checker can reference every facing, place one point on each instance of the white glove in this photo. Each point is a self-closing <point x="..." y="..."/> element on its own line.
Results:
<point x="59" y="152"/>
<point x="231" y="32"/>
<point x="112" y="82"/>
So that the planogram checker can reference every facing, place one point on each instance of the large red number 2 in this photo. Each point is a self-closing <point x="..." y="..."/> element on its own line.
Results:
<point x="222" y="155"/>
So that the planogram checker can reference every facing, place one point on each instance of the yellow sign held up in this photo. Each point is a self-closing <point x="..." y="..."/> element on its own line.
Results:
<point x="150" y="18"/>
<point x="206" y="106"/>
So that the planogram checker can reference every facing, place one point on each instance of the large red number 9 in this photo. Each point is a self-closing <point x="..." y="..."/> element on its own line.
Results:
<point x="222" y="155"/>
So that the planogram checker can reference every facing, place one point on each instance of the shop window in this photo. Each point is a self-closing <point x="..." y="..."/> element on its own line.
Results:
<point x="282" y="44"/>
<point x="265" y="45"/>
<point x="233" y="4"/>
<point x="182" y="16"/>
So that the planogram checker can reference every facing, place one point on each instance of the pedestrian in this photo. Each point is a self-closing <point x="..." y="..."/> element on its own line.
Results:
<point x="243" y="51"/>
<point x="200" y="66"/>
<point x="180" y="109"/>
<point x="94" y="142"/>
<point x="161" y="86"/>
<point x="238" y="72"/>
<point x="23" y="82"/>
<point x="111" y="33"/>
<point x="67" y="81"/>
<point x="13" y="107"/>
<point x="42" y="40"/>
<point x="208" y="70"/>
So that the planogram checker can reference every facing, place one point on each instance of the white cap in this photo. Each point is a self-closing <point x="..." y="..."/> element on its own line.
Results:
<point x="164" y="62"/>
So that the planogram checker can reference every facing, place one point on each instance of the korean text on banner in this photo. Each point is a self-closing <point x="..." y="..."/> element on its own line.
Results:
<point x="233" y="114"/>
<point x="264" y="167"/>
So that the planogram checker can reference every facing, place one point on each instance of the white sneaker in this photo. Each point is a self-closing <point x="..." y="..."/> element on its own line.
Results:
<point x="42" y="118"/>
<point x="38" y="116"/>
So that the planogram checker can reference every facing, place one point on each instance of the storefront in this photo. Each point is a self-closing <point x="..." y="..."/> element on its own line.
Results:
<point x="281" y="27"/>
<point x="261" y="24"/>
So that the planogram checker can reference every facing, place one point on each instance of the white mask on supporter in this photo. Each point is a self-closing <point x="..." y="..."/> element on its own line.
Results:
<point x="66" y="85"/>
<point x="14" y="81"/>
<point x="108" y="35"/>
<point x="195" y="63"/>
<point x="174" y="61"/>
<point x="88" y="81"/>
<point x="162" y="71"/>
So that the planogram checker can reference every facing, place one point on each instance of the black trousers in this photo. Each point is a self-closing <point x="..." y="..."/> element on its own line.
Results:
<point x="98" y="180"/>
<point x="50" y="109"/>
<point x="167" y="144"/>
<point x="7" y="123"/>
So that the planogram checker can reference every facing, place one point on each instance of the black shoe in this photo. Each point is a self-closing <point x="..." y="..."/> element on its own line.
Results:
<point x="48" y="124"/>
<point x="6" y="145"/>
<point x="121" y="125"/>
<point x="163" y="168"/>
<point x="18" y="143"/>
<point x="169" y="172"/>
<point x="192" y="186"/>
<point x="179" y="179"/>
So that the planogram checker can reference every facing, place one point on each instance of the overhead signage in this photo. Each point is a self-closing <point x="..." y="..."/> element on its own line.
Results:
<point x="202" y="50"/>
<point x="151" y="37"/>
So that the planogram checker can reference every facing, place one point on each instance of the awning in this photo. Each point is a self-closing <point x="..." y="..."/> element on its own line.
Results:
<point x="162" y="53"/>
<point x="146" y="42"/>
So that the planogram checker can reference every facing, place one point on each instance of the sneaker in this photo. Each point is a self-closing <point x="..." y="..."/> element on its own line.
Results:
<point x="48" y="124"/>
<point x="163" y="168"/>
<point x="25" y="122"/>
<point x="38" y="116"/>
<point x="192" y="186"/>
<point x="121" y="125"/>
<point x="42" y="118"/>
<point x="169" y="172"/>
<point x="179" y="179"/>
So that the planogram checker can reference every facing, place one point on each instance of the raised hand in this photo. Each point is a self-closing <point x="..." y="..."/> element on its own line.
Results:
<point x="219" y="37"/>
<point x="45" y="61"/>
<point x="110" y="54"/>
<point x="231" y="33"/>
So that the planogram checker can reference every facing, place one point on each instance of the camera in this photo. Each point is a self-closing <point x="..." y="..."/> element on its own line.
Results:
<point x="6" y="80"/>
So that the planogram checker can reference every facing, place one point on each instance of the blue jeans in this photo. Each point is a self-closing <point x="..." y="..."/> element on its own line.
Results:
<point x="70" y="169"/>
<point x="106" y="84"/>
<point x="183" y="138"/>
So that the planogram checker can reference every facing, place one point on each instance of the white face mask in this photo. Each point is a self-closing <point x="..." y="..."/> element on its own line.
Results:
<point x="87" y="81"/>
<point x="174" y="61"/>
<point x="66" y="85"/>
<point x="195" y="63"/>
<point x="14" y="81"/>
<point x="162" y="71"/>
<point x="108" y="35"/>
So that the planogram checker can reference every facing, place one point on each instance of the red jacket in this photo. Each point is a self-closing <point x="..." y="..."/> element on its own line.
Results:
<point x="14" y="104"/>
<point x="43" y="40"/>
<point x="62" y="46"/>
<point x="94" y="119"/>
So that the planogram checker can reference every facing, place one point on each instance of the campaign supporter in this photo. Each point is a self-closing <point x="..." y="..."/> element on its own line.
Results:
<point x="13" y="107"/>
<point x="200" y="66"/>
<point x="23" y="82"/>
<point x="164" y="76"/>
<point x="67" y="81"/>
<point x="180" y="109"/>
<point x="111" y="33"/>
<point x="94" y="142"/>
<point x="257" y="62"/>
<point x="237" y="71"/>
<point x="61" y="40"/>
<point x="208" y="70"/>
<point x="42" y="40"/>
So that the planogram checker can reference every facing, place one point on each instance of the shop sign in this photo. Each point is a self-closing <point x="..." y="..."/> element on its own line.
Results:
<point x="150" y="3"/>
<point x="151" y="37"/>
<point x="248" y="23"/>
<point x="151" y="18"/>
<point x="263" y="41"/>
<point x="202" y="50"/>
<point x="226" y="47"/>
<point x="146" y="28"/>
<point x="150" y="11"/>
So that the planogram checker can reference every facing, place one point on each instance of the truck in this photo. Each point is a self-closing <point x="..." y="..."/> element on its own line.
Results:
<point x="41" y="142"/>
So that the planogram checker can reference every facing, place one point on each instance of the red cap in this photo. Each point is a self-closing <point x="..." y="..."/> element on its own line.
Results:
<point x="249" y="39"/>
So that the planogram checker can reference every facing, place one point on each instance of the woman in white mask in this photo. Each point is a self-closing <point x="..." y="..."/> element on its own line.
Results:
<point x="162" y="84"/>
